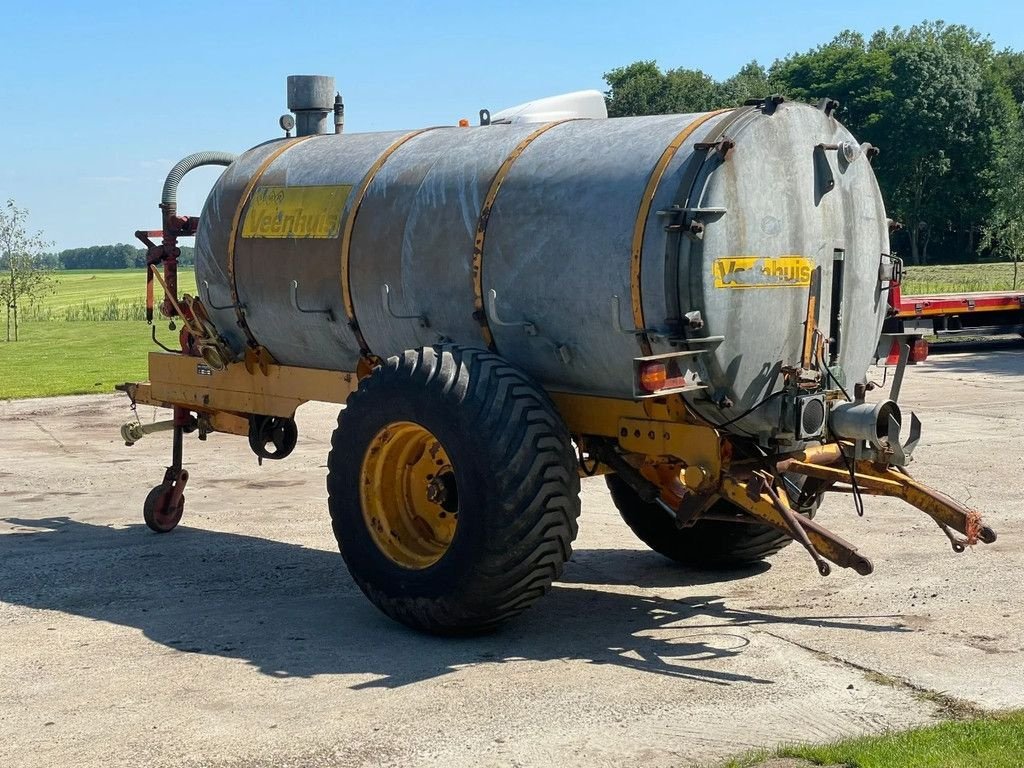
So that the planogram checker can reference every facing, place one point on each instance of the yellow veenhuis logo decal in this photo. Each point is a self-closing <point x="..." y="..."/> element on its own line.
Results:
<point x="763" y="272"/>
<point x="280" y="212"/>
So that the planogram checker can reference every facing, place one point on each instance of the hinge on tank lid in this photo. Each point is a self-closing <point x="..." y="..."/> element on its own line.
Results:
<point x="824" y="178"/>
<point x="766" y="104"/>
<point x="828" y="106"/>
<point x="688" y="220"/>
<point x="721" y="147"/>
<point x="679" y="210"/>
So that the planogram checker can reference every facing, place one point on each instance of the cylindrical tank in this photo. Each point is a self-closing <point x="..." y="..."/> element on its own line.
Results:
<point x="727" y="214"/>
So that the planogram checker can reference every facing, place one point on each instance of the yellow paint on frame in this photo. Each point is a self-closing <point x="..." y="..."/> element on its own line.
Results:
<point x="296" y="212"/>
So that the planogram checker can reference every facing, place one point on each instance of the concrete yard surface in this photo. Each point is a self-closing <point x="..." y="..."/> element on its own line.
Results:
<point x="240" y="640"/>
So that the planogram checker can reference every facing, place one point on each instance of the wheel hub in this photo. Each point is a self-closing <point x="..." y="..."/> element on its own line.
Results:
<point x="409" y="495"/>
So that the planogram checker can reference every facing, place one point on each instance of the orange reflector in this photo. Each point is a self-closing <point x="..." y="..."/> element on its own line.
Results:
<point x="894" y="353"/>
<point x="463" y="123"/>
<point x="919" y="351"/>
<point x="653" y="376"/>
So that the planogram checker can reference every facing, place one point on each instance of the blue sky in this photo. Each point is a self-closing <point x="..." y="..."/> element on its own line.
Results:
<point x="98" y="100"/>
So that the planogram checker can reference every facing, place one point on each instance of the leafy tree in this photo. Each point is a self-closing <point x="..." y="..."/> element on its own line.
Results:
<point x="25" y="279"/>
<point x="932" y="98"/>
<point x="847" y="70"/>
<point x="751" y="82"/>
<point x="119" y="256"/>
<point x="690" y="90"/>
<point x="638" y="89"/>
<point x="1010" y="68"/>
<point x="643" y="89"/>
<point x="935" y="88"/>
<point x="1004" y="232"/>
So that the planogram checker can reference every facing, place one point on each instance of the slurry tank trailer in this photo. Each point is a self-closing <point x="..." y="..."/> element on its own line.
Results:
<point x="685" y="304"/>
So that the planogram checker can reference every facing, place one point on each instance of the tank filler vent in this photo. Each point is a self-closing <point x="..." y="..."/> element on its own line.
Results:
<point x="311" y="98"/>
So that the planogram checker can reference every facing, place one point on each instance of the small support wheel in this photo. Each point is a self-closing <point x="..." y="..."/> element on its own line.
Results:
<point x="159" y="513"/>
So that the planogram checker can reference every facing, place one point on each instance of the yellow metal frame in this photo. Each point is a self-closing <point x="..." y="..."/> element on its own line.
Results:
<point x="191" y="383"/>
<point x="681" y="457"/>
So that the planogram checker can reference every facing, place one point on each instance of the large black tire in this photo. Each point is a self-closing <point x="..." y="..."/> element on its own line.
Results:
<point x="706" y="544"/>
<point x="517" y="488"/>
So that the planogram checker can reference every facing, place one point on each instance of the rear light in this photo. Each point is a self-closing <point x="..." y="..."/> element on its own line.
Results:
<point x="894" y="353"/>
<point x="653" y="376"/>
<point x="918" y="351"/>
<point x="662" y="374"/>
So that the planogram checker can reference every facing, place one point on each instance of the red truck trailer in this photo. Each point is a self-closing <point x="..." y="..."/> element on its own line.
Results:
<point x="976" y="313"/>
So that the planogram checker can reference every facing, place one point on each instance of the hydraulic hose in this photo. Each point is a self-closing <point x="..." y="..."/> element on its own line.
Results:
<point x="169" y="197"/>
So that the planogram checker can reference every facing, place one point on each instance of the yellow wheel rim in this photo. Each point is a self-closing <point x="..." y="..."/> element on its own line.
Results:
<point x="409" y="495"/>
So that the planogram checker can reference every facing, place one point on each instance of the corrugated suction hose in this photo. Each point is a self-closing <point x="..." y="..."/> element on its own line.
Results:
<point x="169" y="197"/>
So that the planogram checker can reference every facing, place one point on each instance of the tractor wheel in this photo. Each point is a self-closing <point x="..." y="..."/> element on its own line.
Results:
<point x="705" y="544"/>
<point x="453" y="489"/>
<point x="156" y="512"/>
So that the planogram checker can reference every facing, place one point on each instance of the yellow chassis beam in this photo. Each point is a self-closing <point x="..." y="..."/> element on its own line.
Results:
<point x="191" y="383"/>
<point x="876" y="480"/>
<point x="659" y="429"/>
<point x="650" y="427"/>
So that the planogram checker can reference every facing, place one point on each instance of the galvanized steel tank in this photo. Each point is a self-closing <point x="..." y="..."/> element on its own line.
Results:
<point x="564" y="217"/>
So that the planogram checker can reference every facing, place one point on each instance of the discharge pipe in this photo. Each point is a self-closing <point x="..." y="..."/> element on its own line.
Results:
<point x="865" y="421"/>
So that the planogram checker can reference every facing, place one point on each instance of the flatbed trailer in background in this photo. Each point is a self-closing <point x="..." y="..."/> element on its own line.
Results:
<point x="982" y="313"/>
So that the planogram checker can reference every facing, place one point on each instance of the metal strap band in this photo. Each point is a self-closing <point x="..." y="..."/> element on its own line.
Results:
<point x="236" y="221"/>
<point x="691" y="194"/>
<point x="479" y="314"/>
<point x="346" y="240"/>
<point x="640" y="225"/>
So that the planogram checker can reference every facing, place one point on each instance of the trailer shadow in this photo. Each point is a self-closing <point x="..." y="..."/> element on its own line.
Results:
<point x="292" y="611"/>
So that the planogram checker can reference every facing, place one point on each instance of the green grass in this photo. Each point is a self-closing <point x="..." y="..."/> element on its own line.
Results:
<point x="58" y="356"/>
<point x="990" y="742"/>
<point x="89" y="335"/>
<point x="112" y="294"/>
<point x="957" y="278"/>
<point x="73" y="358"/>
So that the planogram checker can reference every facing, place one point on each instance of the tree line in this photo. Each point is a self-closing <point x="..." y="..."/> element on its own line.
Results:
<point x="118" y="256"/>
<point x="942" y="104"/>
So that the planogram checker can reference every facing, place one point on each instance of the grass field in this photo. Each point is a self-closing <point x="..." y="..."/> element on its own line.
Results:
<point x="989" y="742"/>
<point x="89" y="295"/>
<point x="90" y="335"/>
<point x="60" y="356"/>
<point x="955" y="278"/>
